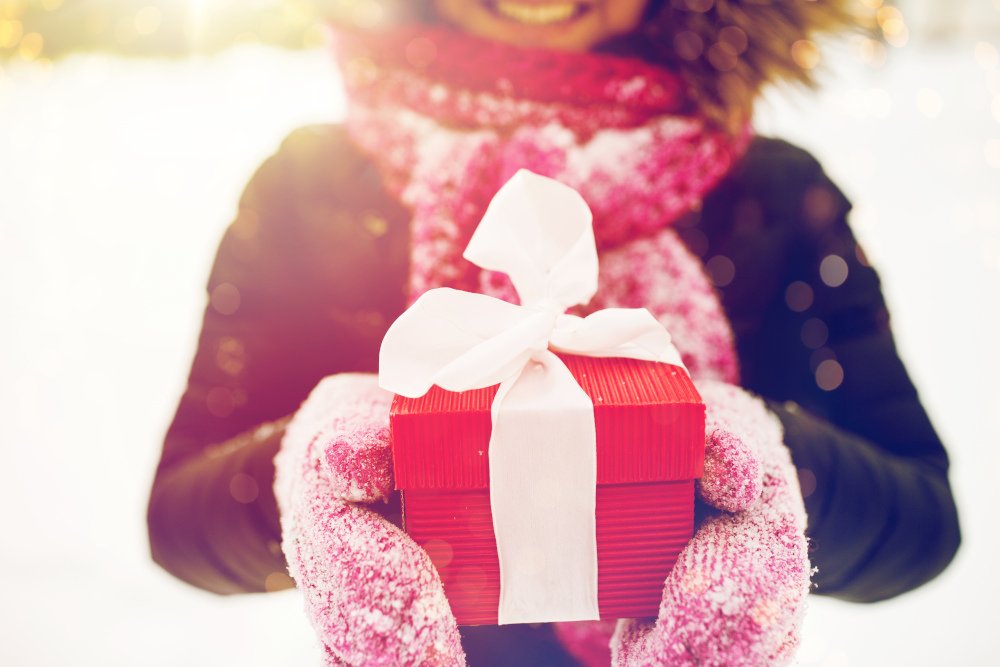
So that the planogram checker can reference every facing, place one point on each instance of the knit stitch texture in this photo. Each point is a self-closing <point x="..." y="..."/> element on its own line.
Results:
<point x="737" y="593"/>
<point x="372" y="594"/>
<point x="445" y="138"/>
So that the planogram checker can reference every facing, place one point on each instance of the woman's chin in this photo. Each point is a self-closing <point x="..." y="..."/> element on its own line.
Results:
<point x="571" y="25"/>
<point x="544" y="14"/>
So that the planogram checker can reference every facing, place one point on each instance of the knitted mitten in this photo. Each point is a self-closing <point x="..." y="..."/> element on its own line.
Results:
<point x="737" y="593"/>
<point x="371" y="593"/>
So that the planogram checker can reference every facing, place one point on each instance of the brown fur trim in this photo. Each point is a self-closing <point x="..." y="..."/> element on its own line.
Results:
<point x="727" y="50"/>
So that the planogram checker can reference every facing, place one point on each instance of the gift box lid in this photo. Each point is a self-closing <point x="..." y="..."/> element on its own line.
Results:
<point x="649" y="417"/>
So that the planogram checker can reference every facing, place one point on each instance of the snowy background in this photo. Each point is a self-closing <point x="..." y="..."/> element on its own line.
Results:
<point x="118" y="177"/>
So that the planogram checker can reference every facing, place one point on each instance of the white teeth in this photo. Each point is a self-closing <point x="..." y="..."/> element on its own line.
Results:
<point x="537" y="14"/>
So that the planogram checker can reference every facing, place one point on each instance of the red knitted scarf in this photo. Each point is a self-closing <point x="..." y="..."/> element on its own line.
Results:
<point x="449" y="118"/>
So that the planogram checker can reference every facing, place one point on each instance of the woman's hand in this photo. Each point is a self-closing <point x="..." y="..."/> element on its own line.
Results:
<point x="371" y="593"/>
<point x="737" y="593"/>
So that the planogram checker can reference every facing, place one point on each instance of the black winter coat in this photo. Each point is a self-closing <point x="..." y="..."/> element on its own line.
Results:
<point x="313" y="270"/>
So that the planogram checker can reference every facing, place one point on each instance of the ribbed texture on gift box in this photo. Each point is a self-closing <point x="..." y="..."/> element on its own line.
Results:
<point x="650" y="427"/>
<point x="641" y="529"/>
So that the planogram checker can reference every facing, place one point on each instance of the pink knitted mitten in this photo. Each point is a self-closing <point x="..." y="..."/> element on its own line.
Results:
<point x="737" y="593"/>
<point x="371" y="593"/>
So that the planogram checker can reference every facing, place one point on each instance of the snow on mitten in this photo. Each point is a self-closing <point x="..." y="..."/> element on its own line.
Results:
<point x="737" y="592"/>
<point x="734" y="472"/>
<point x="371" y="592"/>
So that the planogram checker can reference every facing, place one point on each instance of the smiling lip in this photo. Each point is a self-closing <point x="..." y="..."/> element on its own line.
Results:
<point x="535" y="13"/>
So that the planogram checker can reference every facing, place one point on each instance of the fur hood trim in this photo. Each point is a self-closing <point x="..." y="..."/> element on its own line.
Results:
<point x="727" y="50"/>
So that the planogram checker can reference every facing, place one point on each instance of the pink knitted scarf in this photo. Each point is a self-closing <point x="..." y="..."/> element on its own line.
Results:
<point x="449" y="118"/>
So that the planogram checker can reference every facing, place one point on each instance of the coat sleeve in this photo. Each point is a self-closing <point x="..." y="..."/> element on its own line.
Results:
<point x="813" y="338"/>
<point x="304" y="284"/>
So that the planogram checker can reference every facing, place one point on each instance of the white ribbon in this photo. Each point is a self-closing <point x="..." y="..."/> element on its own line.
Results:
<point x="543" y="444"/>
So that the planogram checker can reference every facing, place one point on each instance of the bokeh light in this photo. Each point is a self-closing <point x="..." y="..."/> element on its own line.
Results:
<point x="890" y="19"/>
<point x="987" y="55"/>
<point x="10" y="33"/>
<point x="720" y="270"/>
<point x="230" y="357"/>
<point x="125" y="30"/>
<point x="367" y="14"/>
<point x="226" y="299"/>
<point x="699" y="5"/>
<point x="807" y="482"/>
<point x="765" y="612"/>
<point x="440" y="552"/>
<point x="688" y="45"/>
<point x="220" y="402"/>
<point x="723" y="56"/>
<point x="696" y="581"/>
<point x="170" y="27"/>
<point x="829" y="375"/>
<point x="819" y="206"/>
<point x="734" y="37"/>
<point x="147" y="20"/>
<point x="814" y="333"/>
<point x="799" y="296"/>
<point x="805" y="54"/>
<point x="243" y="488"/>
<point x="30" y="46"/>
<point x="819" y="356"/>
<point x="867" y="50"/>
<point x="929" y="102"/>
<point x="421" y="52"/>
<point x="833" y="270"/>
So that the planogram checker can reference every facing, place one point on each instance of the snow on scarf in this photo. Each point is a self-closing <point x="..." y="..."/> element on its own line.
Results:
<point x="450" y="117"/>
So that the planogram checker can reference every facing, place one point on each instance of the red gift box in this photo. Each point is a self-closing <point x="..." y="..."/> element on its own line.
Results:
<point x="650" y="424"/>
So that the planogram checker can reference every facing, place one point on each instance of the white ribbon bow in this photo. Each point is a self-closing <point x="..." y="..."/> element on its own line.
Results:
<point x="543" y="444"/>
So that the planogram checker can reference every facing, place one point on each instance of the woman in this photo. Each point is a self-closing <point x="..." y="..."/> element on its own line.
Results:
<point x="643" y="107"/>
